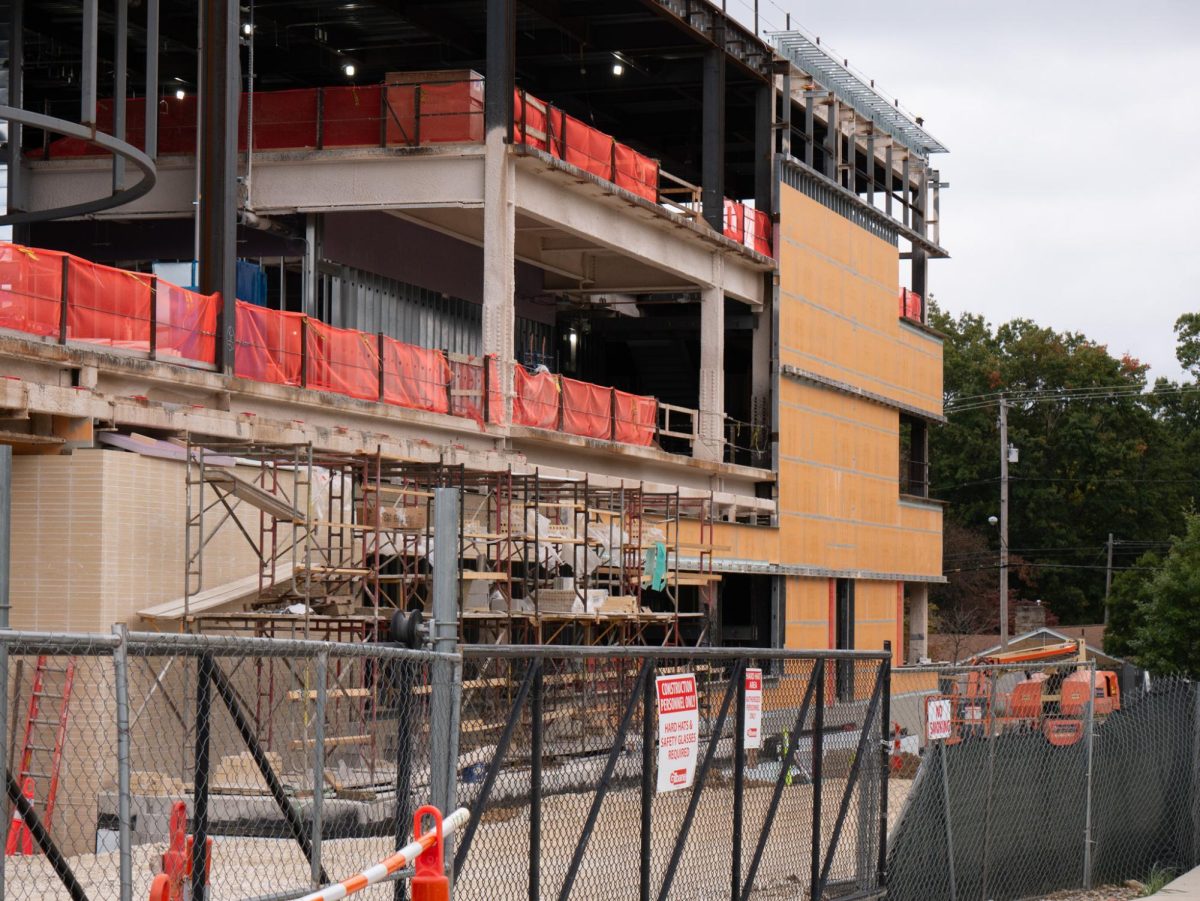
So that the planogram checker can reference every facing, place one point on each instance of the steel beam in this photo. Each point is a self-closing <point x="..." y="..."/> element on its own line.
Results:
<point x="712" y="139"/>
<point x="219" y="94"/>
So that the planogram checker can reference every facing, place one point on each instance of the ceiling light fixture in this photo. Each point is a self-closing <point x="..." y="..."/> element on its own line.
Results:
<point x="247" y="29"/>
<point x="618" y="68"/>
<point x="349" y="69"/>
<point x="179" y="94"/>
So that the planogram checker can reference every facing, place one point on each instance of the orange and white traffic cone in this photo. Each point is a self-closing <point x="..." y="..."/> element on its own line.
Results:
<point x="430" y="882"/>
<point x="20" y="840"/>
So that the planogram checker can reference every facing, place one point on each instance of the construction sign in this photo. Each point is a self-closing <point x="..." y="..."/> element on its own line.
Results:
<point x="678" y="731"/>
<point x="937" y="718"/>
<point x="752" y="737"/>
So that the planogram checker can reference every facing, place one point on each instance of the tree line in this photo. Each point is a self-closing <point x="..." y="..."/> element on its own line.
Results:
<point x="1101" y="451"/>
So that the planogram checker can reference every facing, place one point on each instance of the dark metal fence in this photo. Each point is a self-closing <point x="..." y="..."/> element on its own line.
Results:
<point x="558" y="764"/>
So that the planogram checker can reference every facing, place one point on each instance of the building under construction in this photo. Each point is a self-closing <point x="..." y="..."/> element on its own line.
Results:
<point x="645" y="286"/>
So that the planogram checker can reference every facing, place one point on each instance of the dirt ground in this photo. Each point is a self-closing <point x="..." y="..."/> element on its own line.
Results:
<point x="496" y="869"/>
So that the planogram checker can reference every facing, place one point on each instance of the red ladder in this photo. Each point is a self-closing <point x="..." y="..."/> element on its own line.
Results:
<point x="41" y="757"/>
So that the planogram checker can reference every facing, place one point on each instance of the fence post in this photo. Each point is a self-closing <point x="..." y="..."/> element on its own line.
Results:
<point x="648" y="693"/>
<point x="204" y="669"/>
<point x="444" y="696"/>
<point x="4" y="736"/>
<point x="403" y="674"/>
<point x="1088" y="723"/>
<point x="945" y="761"/>
<point x="318" y="805"/>
<point x="991" y="769"/>
<point x="65" y="300"/>
<point x="818" y="759"/>
<point x="153" y="317"/>
<point x="382" y="384"/>
<point x="121" y="686"/>
<point x="885" y="721"/>
<point x="535" y="786"/>
<point x="304" y="352"/>
<point x="739" y="772"/>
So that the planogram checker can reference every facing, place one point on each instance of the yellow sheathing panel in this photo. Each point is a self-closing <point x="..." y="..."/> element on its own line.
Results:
<point x="807" y="611"/>
<point x="839" y="308"/>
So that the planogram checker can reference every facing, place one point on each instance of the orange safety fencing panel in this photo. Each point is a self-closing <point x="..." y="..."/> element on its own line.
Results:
<point x="108" y="306"/>
<point x="415" y="377"/>
<point x="352" y="116"/>
<point x="735" y="220"/>
<point x="268" y="345"/>
<point x="759" y="231"/>
<point x="635" y="416"/>
<point x="588" y="148"/>
<point x="448" y="112"/>
<point x="495" y="396"/>
<point x="537" y="123"/>
<point x="910" y="304"/>
<point x="635" y="172"/>
<point x="282" y="120"/>
<point x="30" y="289"/>
<point x="186" y="323"/>
<point x="535" y="399"/>
<point x="586" y="409"/>
<point x="176" y="127"/>
<point x="341" y="360"/>
<point x="466" y="389"/>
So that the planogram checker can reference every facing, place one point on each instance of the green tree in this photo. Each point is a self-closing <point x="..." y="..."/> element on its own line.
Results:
<point x="1155" y="608"/>
<point x="1098" y="456"/>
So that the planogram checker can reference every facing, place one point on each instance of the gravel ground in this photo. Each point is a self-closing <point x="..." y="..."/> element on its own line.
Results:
<point x="1104" y="893"/>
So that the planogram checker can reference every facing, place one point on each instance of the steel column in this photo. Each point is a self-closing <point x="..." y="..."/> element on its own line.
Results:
<point x="120" y="88"/>
<point x="500" y="68"/>
<point x="152" y="78"/>
<point x="16" y="98"/>
<point x="220" y="87"/>
<point x="712" y="138"/>
<point x="445" y="675"/>
<point x="87" y="77"/>
<point x="764" y="129"/>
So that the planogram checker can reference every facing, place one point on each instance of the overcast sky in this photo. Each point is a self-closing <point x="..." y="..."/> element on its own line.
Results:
<point x="1074" y="136"/>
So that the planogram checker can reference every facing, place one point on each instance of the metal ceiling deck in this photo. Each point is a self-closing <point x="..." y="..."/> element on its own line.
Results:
<point x="848" y="87"/>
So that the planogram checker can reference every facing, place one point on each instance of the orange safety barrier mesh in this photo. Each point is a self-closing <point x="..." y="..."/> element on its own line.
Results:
<point x="759" y="231"/>
<point x="282" y="120"/>
<point x="635" y="172"/>
<point x="466" y="389"/>
<point x="535" y="399"/>
<point x="735" y="220"/>
<point x="588" y="148"/>
<point x="108" y="306"/>
<point x="910" y="305"/>
<point x="341" y="360"/>
<point x="634" y="420"/>
<point x="30" y="289"/>
<point x="434" y="113"/>
<point x="186" y="323"/>
<point x="268" y="345"/>
<point x="415" y="377"/>
<point x="586" y="409"/>
<point x="352" y="116"/>
<point x="495" y="396"/>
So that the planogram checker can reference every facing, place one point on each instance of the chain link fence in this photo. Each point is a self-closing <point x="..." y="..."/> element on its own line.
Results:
<point x="301" y="761"/>
<point x="1041" y="784"/>
<point x="561" y="768"/>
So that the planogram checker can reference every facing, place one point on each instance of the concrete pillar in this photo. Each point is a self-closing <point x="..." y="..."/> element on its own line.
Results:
<point x="710" y="440"/>
<point x="918" y="621"/>
<point x="499" y="210"/>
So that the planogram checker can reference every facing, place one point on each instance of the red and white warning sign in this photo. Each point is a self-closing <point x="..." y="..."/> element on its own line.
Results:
<point x="678" y="731"/>
<point x="753" y="735"/>
<point x="937" y="718"/>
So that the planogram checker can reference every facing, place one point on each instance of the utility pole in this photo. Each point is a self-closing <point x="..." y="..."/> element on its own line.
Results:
<point x="1003" y="522"/>
<point x="1108" y="577"/>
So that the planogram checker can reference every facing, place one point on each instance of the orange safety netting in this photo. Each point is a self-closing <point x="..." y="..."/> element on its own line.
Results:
<point x="535" y="399"/>
<point x="186" y="323"/>
<point x="634" y="418"/>
<point x="759" y="231"/>
<point x="910" y="304"/>
<point x="588" y="148"/>
<point x="735" y="220"/>
<point x="495" y="394"/>
<point x="352" y="116"/>
<point x="635" y="172"/>
<point x="466" y="389"/>
<point x="282" y="120"/>
<point x="30" y="289"/>
<point x="415" y="377"/>
<point x="268" y="345"/>
<point x="586" y="409"/>
<point x="108" y="306"/>
<point x="341" y="360"/>
<point x="434" y="113"/>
